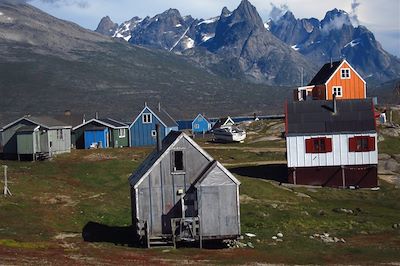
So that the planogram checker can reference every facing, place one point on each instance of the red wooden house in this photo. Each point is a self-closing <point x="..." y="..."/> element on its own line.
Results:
<point x="337" y="78"/>
<point x="332" y="143"/>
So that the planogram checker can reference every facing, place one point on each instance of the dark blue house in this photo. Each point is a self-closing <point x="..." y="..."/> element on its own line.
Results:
<point x="201" y="124"/>
<point x="142" y="131"/>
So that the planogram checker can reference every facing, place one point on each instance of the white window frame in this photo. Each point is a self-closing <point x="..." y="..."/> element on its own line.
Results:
<point x="196" y="126"/>
<point x="338" y="89"/>
<point x="345" y="73"/>
<point x="154" y="133"/>
<point x="147" y="118"/>
<point x="121" y="130"/>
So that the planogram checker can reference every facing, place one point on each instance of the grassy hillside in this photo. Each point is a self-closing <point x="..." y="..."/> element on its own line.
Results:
<point x="52" y="201"/>
<point x="118" y="82"/>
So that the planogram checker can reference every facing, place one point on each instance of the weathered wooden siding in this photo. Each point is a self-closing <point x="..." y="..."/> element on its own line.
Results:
<point x="10" y="137"/>
<point x="218" y="205"/>
<point x="26" y="142"/>
<point x="340" y="155"/>
<point x="59" y="145"/>
<point x="353" y="88"/>
<point x="157" y="194"/>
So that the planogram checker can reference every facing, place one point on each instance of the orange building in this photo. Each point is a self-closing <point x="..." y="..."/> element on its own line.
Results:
<point x="337" y="78"/>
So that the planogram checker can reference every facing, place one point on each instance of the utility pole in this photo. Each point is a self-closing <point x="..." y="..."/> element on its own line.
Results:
<point x="6" y="190"/>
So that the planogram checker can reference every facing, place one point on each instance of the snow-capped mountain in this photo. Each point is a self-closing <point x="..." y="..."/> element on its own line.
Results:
<point x="336" y="37"/>
<point x="234" y="44"/>
<point x="239" y="45"/>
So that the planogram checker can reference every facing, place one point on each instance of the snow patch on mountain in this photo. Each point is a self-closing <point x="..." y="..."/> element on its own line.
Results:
<point x="353" y="43"/>
<point x="208" y="36"/>
<point x="208" y="21"/>
<point x="296" y="47"/>
<point x="188" y="43"/>
<point x="1" y="14"/>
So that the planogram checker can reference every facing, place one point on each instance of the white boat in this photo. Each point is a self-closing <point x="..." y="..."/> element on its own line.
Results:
<point x="229" y="134"/>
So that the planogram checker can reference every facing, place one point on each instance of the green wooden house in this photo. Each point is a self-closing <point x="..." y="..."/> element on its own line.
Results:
<point x="101" y="133"/>
<point x="35" y="138"/>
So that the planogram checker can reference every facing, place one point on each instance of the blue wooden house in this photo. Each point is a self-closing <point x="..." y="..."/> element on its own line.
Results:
<point x="142" y="131"/>
<point x="201" y="124"/>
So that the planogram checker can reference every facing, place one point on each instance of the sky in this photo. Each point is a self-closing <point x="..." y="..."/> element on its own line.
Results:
<point x="381" y="17"/>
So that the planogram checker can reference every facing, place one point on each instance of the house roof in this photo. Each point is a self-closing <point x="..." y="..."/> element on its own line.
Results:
<point x="107" y="122"/>
<point x="166" y="118"/>
<point x="314" y="117"/>
<point x="154" y="157"/>
<point x="43" y="121"/>
<point x="113" y="122"/>
<point x="205" y="118"/>
<point x="222" y="121"/>
<point x="325" y="73"/>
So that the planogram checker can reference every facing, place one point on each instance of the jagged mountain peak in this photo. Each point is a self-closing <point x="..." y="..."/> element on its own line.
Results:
<point x="288" y="16"/>
<point x="225" y="12"/>
<point x="107" y="26"/>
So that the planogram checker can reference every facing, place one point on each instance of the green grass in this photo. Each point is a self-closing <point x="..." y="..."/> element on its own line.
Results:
<point x="64" y="194"/>
<point x="391" y="145"/>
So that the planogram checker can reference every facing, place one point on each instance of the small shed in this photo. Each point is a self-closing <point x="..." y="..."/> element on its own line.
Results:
<point x="35" y="137"/>
<point x="101" y="133"/>
<point x="223" y="122"/>
<point x="181" y="193"/>
<point x="201" y="124"/>
<point x="142" y="131"/>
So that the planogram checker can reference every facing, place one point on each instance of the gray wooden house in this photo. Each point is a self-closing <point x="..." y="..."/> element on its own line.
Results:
<point x="33" y="138"/>
<point x="181" y="193"/>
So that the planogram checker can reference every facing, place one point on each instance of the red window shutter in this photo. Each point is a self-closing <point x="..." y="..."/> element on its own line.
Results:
<point x="309" y="146"/>
<point x="328" y="144"/>
<point x="352" y="144"/>
<point x="371" y="143"/>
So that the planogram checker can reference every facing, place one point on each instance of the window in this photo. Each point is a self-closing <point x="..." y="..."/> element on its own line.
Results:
<point x="345" y="73"/>
<point x="196" y="126"/>
<point x="147" y="118"/>
<point x="361" y="144"/>
<point x="177" y="161"/>
<point x="60" y="135"/>
<point x="154" y="133"/>
<point x="121" y="133"/>
<point x="318" y="145"/>
<point x="337" y="91"/>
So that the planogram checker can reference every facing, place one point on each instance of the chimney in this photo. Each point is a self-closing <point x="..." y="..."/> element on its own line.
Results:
<point x="159" y="143"/>
<point x="84" y="119"/>
<point x="334" y="104"/>
<point x="97" y="115"/>
<point x="331" y="63"/>
<point x="159" y="106"/>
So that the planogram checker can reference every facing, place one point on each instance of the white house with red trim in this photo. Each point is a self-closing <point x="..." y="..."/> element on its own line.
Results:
<point x="332" y="143"/>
